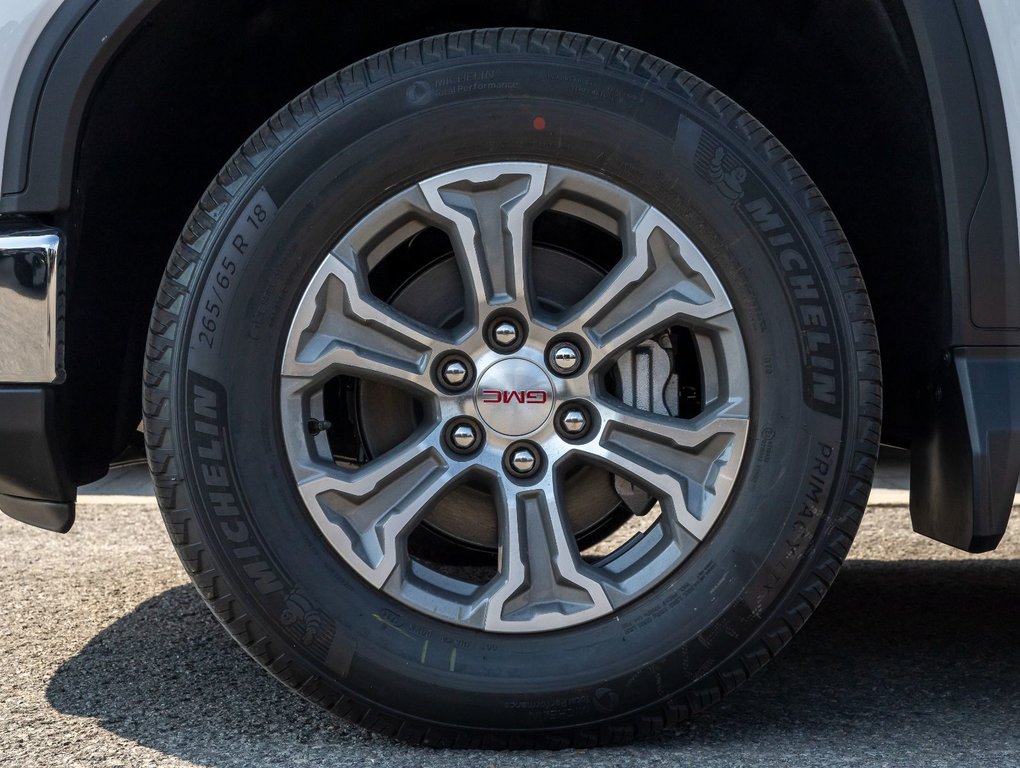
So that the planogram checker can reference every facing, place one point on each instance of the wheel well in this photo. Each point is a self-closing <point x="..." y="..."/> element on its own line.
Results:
<point x="838" y="82"/>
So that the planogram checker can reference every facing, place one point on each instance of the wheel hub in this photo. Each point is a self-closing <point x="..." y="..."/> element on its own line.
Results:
<point x="514" y="397"/>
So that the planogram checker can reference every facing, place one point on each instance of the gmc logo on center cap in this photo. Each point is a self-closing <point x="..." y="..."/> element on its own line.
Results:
<point x="529" y="396"/>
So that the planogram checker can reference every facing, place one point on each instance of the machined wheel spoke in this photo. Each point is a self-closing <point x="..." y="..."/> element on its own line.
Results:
<point x="661" y="280"/>
<point x="687" y="464"/>
<point x="366" y="512"/>
<point x="346" y="329"/>
<point x="543" y="578"/>
<point x="685" y="434"/>
<point x="488" y="209"/>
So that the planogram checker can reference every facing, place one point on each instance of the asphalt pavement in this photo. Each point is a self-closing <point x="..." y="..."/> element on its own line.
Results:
<point x="110" y="659"/>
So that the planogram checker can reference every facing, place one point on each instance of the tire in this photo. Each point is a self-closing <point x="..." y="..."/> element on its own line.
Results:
<point x="776" y="523"/>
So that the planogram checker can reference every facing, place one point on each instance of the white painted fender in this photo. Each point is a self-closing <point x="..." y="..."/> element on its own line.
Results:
<point x="21" y="23"/>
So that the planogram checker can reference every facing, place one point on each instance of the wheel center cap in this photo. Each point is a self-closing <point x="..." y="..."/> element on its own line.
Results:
<point x="514" y="397"/>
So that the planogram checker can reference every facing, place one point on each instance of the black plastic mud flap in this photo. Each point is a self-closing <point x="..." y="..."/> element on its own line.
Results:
<point x="965" y="461"/>
<point x="35" y="486"/>
<point x="57" y="516"/>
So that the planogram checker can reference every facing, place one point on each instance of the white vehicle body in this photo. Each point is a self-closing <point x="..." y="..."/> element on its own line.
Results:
<point x="21" y="23"/>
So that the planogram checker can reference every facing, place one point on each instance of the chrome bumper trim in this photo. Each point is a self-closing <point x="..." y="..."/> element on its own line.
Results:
<point x="31" y="298"/>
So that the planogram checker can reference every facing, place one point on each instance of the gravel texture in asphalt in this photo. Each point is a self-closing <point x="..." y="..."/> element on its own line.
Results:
<point x="111" y="659"/>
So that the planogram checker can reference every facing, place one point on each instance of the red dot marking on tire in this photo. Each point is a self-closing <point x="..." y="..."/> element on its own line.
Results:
<point x="539" y="123"/>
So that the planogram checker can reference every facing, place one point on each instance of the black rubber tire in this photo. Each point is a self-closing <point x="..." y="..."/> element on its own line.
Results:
<point x="377" y="127"/>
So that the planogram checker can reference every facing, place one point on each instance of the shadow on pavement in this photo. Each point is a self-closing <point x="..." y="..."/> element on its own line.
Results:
<point x="922" y="654"/>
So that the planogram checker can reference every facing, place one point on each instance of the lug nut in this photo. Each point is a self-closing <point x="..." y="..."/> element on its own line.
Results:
<point x="565" y="358"/>
<point x="463" y="436"/>
<point x="454" y="374"/>
<point x="574" y="421"/>
<point x="505" y="333"/>
<point x="523" y="461"/>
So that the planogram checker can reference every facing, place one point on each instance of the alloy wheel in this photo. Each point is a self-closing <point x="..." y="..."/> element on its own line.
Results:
<point x="513" y="395"/>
